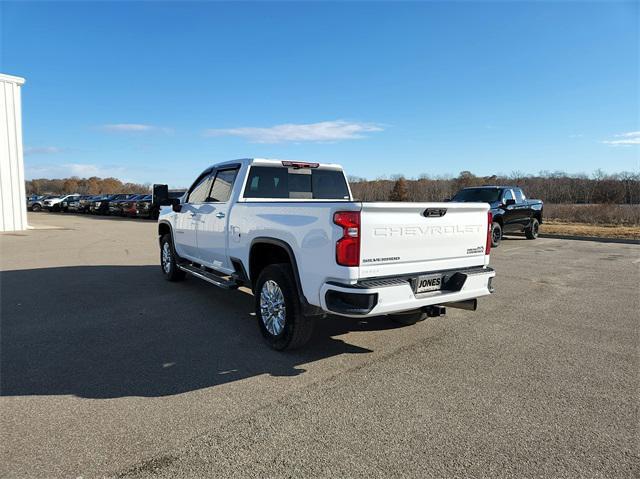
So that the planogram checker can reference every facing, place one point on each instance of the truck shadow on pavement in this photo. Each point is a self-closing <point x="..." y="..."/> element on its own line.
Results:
<point x="115" y="331"/>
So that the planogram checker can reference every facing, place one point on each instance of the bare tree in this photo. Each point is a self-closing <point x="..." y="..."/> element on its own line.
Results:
<point x="399" y="192"/>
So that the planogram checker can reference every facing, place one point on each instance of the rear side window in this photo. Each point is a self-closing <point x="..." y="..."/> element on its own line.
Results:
<point x="276" y="182"/>
<point x="222" y="185"/>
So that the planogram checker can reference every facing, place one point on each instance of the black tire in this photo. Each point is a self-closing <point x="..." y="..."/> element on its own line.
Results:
<point x="496" y="234"/>
<point x="36" y="207"/>
<point x="170" y="270"/>
<point x="531" y="232"/>
<point x="297" y="328"/>
<point x="409" y="318"/>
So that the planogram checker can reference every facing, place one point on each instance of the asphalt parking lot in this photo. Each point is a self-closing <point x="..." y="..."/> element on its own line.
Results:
<point x="108" y="370"/>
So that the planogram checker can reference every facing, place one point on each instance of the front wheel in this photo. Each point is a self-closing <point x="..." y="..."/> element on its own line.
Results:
<point x="36" y="207"/>
<point x="496" y="234"/>
<point x="168" y="260"/>
<point x="278" y="309"/>
<point x="531" y="232"/>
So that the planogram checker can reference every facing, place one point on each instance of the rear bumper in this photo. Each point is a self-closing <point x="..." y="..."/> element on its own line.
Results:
<point x="381" y="296"/>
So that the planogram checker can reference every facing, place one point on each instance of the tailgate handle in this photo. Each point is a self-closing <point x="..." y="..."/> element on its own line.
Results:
<point x="434" y="212"/>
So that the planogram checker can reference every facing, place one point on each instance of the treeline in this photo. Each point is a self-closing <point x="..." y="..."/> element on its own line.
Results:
<point x="551" y="187"/>
<point x="83" y="186"/>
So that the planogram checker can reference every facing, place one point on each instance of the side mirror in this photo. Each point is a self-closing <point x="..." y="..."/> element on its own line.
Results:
<point x="509" y="202"/>
<point x="177" y="207"/>
<point x="161" y="195"/>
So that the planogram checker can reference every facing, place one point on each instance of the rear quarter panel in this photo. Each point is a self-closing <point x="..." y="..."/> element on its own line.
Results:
<point x="307" y="227"/>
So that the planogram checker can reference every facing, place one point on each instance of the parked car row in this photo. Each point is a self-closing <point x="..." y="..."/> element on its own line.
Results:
<point x="140" y="205"/>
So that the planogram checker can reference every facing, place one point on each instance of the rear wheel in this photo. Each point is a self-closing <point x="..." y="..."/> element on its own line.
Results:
<point x="36" y="207"/>
<point x="278" y="309"/>
<point x="531" y="232"/>
<point x="496" y="234"/>
<point x="409" y="318"/>
<point x="168" y="260"/>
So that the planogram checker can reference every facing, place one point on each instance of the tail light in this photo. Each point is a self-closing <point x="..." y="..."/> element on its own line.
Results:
<point x="348" y="247"/>
<point x="487" y="248"/>
<point x="299" y="164"/>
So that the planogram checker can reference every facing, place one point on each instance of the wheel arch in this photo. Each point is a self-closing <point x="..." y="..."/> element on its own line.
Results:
<point x="164" y="227"/>
<point x="273" y="251"/>
<point x="538" y="215"/>
<point x="264" y="251"/>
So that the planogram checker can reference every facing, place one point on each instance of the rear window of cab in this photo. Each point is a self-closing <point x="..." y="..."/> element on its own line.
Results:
<point x="291" y="183"/>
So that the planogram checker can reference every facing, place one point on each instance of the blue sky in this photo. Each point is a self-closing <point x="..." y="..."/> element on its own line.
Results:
<point x="155" y="92"/>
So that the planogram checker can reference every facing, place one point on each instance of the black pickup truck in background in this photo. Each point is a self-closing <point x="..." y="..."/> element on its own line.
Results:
<point x="512" y="211"/>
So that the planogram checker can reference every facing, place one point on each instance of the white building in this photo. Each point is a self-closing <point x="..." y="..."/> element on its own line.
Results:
<point x="13" y="204"/>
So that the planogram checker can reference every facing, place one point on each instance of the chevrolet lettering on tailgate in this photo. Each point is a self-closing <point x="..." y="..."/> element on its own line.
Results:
<point x="420" y="230"/>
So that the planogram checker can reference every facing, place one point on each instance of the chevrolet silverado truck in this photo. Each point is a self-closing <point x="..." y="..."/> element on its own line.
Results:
<point x="292" y="233"/>
<point x="510" y="209"/>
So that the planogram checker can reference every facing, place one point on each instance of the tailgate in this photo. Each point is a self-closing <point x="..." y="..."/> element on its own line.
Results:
<point x="404" y="238"/>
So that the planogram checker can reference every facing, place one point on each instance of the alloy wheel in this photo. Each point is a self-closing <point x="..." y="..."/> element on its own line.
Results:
<point x="272" y="307"/>
<point x="496" y="235"/>
<point x="166" y="257"/>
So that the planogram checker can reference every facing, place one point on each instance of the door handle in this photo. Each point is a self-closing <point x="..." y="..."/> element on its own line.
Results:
<point x="220" y="215"/>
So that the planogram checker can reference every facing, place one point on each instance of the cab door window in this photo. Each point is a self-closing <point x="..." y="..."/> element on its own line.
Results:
<point x="200" y="191"/>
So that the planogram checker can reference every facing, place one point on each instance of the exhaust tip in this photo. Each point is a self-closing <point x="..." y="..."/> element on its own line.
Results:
<point x="469" y="305"/>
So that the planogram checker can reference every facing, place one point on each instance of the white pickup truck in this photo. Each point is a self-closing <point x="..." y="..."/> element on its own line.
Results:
<point x="293" y="234"/>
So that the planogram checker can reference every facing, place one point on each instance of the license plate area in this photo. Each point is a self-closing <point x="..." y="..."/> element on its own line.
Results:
<point x="428" y="282"/>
